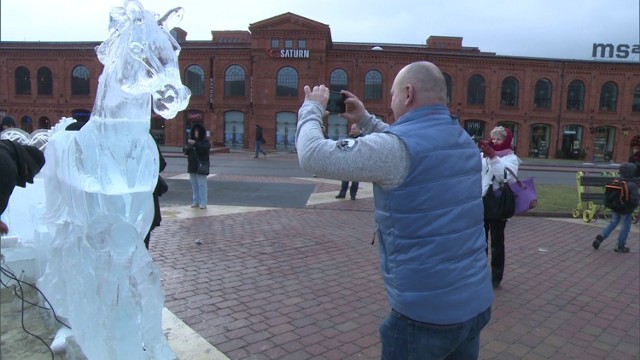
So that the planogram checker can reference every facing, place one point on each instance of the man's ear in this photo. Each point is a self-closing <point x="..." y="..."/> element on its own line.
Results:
<point x="410" y="93"/>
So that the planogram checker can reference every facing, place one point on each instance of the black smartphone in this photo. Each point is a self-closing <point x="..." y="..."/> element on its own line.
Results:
<point x="336" y="102"/>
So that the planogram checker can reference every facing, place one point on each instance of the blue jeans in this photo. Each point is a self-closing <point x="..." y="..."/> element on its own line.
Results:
<point x="259" y="148"/>
<point x="199" y="188"/>
<point x="624" y="228"/>
<point x="403" y="338"/>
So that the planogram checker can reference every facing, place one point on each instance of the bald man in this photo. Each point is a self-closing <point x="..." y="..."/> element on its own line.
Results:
<point x="426" y="175"/>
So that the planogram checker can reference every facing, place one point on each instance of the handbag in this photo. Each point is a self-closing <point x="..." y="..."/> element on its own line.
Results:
<point x="525" y="193"/>
<point x="499" y="204"/>
<point x="161" y="187"/>
<point x="203" y="167"/>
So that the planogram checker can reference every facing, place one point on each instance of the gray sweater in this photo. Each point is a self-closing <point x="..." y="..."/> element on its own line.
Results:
<point x="378" y="157"/>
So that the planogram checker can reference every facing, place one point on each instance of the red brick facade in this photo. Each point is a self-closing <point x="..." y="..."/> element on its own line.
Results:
<point x="599" y="127"/>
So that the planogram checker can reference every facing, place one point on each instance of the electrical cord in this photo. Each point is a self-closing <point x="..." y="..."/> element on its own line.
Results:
<point x="9" y="274"/>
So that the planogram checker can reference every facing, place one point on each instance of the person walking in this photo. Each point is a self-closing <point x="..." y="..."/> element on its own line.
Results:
<point x="259" y="141"/>
<point x="498" y="161"/>
<point x="354" y="133"/>
<point x="428" y="213"/>
<point x="197" y="151"/>
<point x="623" y="217"/>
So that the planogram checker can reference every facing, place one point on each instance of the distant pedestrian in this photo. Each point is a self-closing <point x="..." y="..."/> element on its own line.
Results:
<point x="197" y="151"/>
<point x="354" y="134"/>
<point x="627" y="172"/>
<point x="259" y="141"/>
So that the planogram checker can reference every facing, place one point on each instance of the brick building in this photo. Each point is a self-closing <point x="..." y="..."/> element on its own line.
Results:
<point x="556" y="108"/>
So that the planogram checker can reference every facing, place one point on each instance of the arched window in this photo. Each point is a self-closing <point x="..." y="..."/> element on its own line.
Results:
<point x="194" y="80"/>
<point x="509" y="93"/>
<point x="447" y="80"/>
<point x="287" y="82"/>
<point x="80" y="80"/>
<point x="45" y="81"/>
<point x="635" y="106"/>
<point x="542" y="94"/>
<point x="373" y="85"/>
<point x="234" y="81"/>
<point x="609" y="96"/>
<point x="338" y="80"/>
<point x="575" y="95"/>
<point x="475" y="90"/>
<point x="23" y="81"/>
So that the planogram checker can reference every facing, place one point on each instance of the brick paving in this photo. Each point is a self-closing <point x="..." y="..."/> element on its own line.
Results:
<point x="304" y="284"/>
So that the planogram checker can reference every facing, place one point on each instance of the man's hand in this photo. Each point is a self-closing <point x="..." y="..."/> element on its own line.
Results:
<point x="319" y="94"/>
<point x="355" y="110"/>
<point x="486" y="149"/>
<point x="4" y="229"/>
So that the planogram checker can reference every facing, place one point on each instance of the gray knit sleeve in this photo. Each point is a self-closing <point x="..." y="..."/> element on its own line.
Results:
<point x="378" y="157"/>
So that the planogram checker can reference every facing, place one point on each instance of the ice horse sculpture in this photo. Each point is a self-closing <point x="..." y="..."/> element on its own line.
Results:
<point x="99" y="180"/>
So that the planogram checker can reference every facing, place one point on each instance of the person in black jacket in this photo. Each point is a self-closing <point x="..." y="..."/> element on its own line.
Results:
<point x="19" y="164"/>
<point x="627" y="172"/>
<point x="259" y="141"/>
<point x="197" y="151"/>
<point x="354" y="134"/>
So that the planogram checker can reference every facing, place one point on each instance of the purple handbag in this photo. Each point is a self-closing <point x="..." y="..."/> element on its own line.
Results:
<point x="525" y="192"/>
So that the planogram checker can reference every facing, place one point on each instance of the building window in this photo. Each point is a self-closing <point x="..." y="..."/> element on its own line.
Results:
<point x="23" y="81"/>
<point x="288" y="44"/>
<point x="302" y="44"/>
<point x="194" y="79"/>
<point x="275" y="43"/>
<point x="539" y="143"/>
<point x="542" y="95"/>
<point x="635" y="107"/>
<point x="338" y="80"/>
<point x="609" y="96"/>
<point x="475" y="90"/>
<point x="572" y="143"/>
<point x="373" y="85"/>
<point x="80" y="80"/>
<point x="509" y="93"/>
<point x="575" y="95"/>
<point x="45" y="81"/>
<point x="447" y="80"/>
<point x="287" y="82"/>
<point x="234" y="81"/>
<point x="234" y="129"/>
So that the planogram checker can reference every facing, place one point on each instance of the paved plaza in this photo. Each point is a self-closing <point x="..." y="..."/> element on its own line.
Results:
<point x="302" y="281"/>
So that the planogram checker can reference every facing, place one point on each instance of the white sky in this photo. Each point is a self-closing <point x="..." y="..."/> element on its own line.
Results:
<point x="563" y="29"/>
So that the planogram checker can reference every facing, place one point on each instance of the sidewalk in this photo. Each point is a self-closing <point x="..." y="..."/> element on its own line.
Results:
<point x="305" y="284"/>
<point x="284" y="283"/>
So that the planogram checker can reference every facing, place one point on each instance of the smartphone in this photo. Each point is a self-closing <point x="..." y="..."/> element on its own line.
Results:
<point x="336" y="102"/>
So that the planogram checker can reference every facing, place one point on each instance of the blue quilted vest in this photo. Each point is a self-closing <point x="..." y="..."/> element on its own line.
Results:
<point x="430" y="228"/>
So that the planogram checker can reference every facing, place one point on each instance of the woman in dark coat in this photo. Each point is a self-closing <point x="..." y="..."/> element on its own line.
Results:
<point x="197" y="151"/>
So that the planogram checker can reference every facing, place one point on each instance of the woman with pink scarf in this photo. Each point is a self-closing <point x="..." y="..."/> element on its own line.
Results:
<point x="497" y="157"/>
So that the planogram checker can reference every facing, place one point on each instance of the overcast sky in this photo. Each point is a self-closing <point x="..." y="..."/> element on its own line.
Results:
<point x="564" y="29"/>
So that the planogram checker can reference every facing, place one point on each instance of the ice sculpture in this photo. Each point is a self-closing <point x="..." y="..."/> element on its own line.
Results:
<point x="100" y="277"/>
